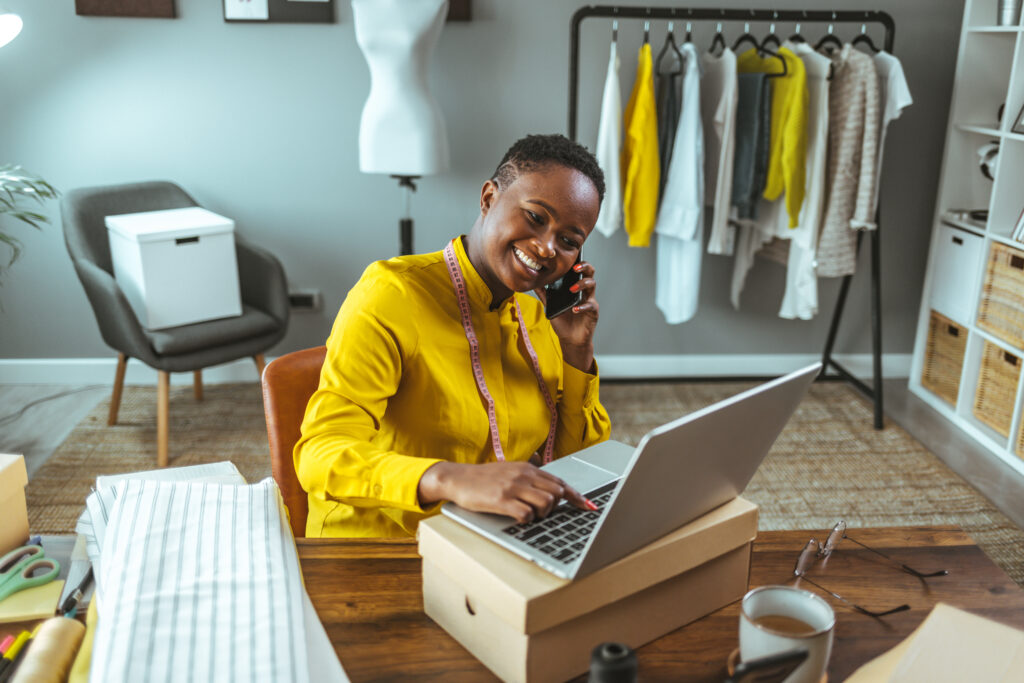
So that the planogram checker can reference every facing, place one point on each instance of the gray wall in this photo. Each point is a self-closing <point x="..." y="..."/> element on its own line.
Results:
<point x="260" y="123"/>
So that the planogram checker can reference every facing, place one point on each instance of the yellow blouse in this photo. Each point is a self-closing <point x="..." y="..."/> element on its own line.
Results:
<point x="787" y="159"/>
<point x="640" y="156"/>
<point x="397" y="395"/>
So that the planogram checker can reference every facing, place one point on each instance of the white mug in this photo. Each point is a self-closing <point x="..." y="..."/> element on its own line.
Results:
<point x="759" y="637"/>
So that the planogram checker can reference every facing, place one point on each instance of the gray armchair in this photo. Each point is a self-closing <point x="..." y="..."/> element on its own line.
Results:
<point x="187" y="348"/>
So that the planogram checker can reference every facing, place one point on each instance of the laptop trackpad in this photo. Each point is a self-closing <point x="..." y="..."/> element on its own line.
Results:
<point x="580" y="475"/>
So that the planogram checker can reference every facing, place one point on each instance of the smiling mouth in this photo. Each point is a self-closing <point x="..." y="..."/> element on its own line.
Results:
<point x="526" y="260"/>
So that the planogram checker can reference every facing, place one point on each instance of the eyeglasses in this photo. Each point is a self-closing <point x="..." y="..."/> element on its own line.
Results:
<point x="839" y="533"/>
<point x="807" y="557"/>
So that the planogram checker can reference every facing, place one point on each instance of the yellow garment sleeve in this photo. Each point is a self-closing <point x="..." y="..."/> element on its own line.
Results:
<point x="335" y="458"/>
<point x="640" y="155"/>
<point x="582" y="420"/>
<point x="787" y="160"/>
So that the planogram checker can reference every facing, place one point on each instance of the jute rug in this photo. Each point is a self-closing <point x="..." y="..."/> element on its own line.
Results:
<point x="828" y="464"/>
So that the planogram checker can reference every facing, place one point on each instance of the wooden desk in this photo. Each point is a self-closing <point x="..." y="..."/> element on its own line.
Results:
<point x="368" y="595"/>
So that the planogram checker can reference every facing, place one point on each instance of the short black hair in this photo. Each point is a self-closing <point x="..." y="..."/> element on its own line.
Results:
<point x="537" y="151"/>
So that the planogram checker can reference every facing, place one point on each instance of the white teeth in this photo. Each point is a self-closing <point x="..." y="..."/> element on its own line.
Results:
<point x="527" y="260"/>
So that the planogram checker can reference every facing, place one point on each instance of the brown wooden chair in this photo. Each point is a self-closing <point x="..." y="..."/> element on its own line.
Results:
<point x="288" y="382"/>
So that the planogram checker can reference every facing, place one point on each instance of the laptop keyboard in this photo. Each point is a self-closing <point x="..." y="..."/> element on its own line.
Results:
<point x="563" y="534"/>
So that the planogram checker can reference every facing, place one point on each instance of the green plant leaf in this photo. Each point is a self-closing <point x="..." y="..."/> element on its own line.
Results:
<point x="16" y="187"/>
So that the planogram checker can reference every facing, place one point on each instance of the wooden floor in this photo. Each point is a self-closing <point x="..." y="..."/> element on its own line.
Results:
<point x="35" y="419"/>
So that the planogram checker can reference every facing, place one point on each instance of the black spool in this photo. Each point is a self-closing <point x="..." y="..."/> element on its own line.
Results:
<point x="612" y="663"/>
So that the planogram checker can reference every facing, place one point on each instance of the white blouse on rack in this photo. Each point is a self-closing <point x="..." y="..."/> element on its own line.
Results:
<point x="680" y="226"/>
<point x="609" y="143"/>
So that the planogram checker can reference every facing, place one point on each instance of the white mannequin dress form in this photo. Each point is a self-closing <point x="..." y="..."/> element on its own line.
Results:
<point x="401" y="131"/>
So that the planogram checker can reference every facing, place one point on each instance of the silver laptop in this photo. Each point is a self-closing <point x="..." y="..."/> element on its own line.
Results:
<point x="678" y="472"/>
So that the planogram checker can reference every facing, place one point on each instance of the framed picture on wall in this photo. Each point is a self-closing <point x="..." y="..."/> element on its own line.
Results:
<point x="309" y="11"/>
<point x="126" y="8"/>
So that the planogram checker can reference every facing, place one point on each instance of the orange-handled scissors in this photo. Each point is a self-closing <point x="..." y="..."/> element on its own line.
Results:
<point x="19" y="569"/>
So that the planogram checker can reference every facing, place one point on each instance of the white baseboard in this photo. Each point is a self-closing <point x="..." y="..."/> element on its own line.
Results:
<point x="894" y="366"/>
<point x="101" y="370"/>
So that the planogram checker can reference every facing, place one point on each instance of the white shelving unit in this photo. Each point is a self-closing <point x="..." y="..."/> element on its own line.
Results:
<point x="989" y="75"/>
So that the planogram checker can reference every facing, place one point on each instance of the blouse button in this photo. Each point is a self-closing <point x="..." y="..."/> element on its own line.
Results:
<point x="377" y="488"/>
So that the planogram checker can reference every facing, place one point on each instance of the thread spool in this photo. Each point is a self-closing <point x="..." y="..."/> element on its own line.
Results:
<point x="51" y="653"/>
<point x="612" y="663"/>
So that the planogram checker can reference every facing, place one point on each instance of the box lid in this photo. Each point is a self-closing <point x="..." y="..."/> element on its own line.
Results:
<point x="149" y="226"/>
<point x="13" y="476"/>
<point x="532" y="599"/>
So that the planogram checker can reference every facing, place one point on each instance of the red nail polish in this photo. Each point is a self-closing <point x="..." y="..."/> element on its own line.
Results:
<point x="575" y="309"/>
<point x="578" y="267"/>
<point x="590" y="505"/>
<point x="575" y="287"/>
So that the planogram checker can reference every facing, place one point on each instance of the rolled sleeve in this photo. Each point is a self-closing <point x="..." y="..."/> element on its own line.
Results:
<point x="582" y="420"/>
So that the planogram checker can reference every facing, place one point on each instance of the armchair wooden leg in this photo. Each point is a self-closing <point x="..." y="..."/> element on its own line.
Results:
<point x="260" y="363"/>
<point x="115" y="398"/>
<point x="197" y="384"/>
<point x="163" y="391"/>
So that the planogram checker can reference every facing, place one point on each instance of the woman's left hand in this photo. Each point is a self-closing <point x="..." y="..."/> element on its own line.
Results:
<point x="575" y="328"/>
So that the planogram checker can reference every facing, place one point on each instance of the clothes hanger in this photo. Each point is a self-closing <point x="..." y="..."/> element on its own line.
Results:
<point x="797" y="37"/>
<point x="747" y="37"/>
<point x="771" y="53"/>
<point x="864" y="39"/>
<point x="719" y="39"/>
<point x="771" y="37"/>
<point x="689" y="27"/>
<point x="670" y="42"/>
<point x="647" y="32"/>
<point x="829" y="38"/>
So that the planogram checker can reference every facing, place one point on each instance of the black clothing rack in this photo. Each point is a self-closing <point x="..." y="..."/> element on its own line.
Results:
<point x="754" y="15"/>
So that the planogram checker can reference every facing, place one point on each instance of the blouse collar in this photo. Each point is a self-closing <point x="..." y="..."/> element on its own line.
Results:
<point x="480" y="295"/>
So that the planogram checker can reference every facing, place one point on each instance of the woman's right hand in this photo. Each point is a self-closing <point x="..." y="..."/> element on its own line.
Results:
<point x="515" y="489"/>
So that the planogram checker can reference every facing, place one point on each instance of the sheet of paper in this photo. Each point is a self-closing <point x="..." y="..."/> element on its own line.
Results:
<point x="323" y="662"/>
<point x="39" y="602"/>
<point x="953" y="645"/>
<point x="950" y="646"/>
<point x="201" y="580"/>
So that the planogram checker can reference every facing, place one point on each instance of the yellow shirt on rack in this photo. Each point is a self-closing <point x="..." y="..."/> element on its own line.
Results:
<point x="787" y="160"/>
<point x="640" y="155"/>
<point x="397" y="395"/>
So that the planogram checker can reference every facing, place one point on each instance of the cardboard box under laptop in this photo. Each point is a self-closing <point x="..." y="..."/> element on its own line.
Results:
<point x="13" y="511"/>
<point x="526" y="624"/>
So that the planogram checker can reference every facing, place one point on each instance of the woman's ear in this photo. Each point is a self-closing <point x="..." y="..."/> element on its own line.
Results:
<point x="488" y="194"/>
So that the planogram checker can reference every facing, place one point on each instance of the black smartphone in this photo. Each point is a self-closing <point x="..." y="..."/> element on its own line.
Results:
<point x="559" y="298"/>
<point x="770" y="669"/>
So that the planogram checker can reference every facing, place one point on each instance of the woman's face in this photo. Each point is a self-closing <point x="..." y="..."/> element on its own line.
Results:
<point x="529" y="234"/>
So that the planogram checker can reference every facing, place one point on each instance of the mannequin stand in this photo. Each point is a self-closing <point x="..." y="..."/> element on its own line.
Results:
<point x="405" y="223"/>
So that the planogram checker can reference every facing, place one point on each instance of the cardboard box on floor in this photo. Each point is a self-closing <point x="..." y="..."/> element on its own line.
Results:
<point x="13" y="480"/>
<point x="526" y="624"/>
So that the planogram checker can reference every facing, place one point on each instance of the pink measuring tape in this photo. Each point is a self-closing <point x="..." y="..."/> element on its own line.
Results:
<point x="455" y="273"/>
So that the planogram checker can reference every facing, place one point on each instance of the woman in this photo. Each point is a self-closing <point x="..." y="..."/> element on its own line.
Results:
<point x="400" y="422"/>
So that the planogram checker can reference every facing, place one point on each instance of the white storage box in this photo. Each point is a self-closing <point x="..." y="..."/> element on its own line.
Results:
<point x="959" y="256"/>
<point x="176" y="266"/>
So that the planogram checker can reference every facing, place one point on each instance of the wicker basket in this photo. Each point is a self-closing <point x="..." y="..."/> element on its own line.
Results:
<point x="944" y="357"/>
<point x="1001" y="310"/>
<point x="1020" y="441"/>
<point x="997" y="388"/>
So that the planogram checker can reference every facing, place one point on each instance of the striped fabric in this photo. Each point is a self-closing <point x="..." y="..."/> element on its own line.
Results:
<point x="201" y="582"/>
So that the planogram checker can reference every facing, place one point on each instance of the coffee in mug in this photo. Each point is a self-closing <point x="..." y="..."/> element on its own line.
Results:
<point x="776" y="619"/>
